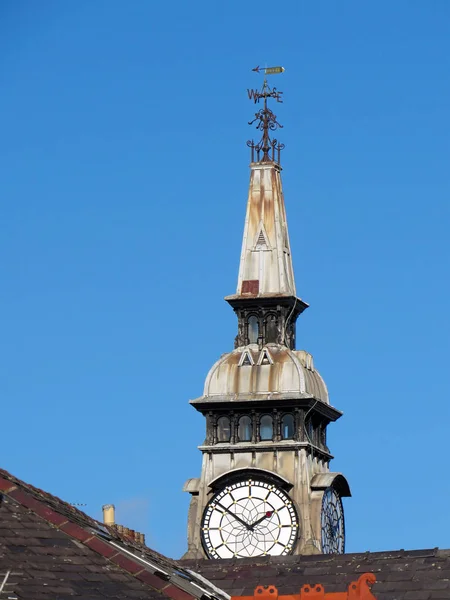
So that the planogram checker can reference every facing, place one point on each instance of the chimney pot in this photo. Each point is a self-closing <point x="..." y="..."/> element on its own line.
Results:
<point x="109" y="514"/>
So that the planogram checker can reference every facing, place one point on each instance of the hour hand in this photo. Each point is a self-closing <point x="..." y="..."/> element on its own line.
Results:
<point x="230" y="512"/>
<point x="267" y="515"/>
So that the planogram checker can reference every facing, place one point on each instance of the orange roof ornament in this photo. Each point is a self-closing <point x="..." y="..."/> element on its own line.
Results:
<point x="357" y="590"/>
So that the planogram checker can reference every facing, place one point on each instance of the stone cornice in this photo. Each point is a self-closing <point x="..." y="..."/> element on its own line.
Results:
<point x="282" y="446"/>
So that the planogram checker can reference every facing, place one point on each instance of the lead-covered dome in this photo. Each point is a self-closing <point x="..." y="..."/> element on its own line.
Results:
<point x="275" y="371"/>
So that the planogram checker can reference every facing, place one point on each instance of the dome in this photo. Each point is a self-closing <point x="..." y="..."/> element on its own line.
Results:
<point x="249" y="373"/>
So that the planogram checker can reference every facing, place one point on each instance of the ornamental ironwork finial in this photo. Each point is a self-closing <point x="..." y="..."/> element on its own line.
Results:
<point x="267" y="149"/>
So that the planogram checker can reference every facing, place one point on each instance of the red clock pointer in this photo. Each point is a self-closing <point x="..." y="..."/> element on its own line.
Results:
<point x="268" y="514"/>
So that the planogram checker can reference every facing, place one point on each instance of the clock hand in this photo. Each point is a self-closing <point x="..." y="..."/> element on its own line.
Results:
<point x="336" y="528"/>
<point x="234" y="515"/>
<point x="268" y="514"/>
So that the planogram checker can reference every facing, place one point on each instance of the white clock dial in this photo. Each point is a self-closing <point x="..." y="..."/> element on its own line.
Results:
<point x="249" y="518"/>
<point x="332" y="521"/>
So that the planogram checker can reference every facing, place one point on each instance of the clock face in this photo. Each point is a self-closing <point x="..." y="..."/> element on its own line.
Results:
<point x="249" y="518"/>
<point x="332" y="522"/>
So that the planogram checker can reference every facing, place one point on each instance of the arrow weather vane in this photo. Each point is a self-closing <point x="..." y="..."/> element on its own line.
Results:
<point x="266" y="119"/>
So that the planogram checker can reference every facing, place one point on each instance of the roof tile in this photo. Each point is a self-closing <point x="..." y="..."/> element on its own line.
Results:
<point x="419" y="595"/>
<point x="101" y="547"/>
<point x="126" y="563"/>
<point x="5" y="485"/>
<point x="76" y="531"/>
<point x="442" y="584"/>
<point x="176" y="593"/>
<point x="153" y="580"/>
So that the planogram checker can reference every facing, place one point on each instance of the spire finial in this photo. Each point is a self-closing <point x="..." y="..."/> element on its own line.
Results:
<point x="266" y="119"/>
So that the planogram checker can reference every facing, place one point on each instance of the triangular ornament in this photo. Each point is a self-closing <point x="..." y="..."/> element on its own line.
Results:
<point x="265" y="358"/>
<point x="246" y="359"/>
<point x="262" y="241"/>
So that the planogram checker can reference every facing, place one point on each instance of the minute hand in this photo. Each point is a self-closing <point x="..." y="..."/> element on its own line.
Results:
<point x="233" y="515"/>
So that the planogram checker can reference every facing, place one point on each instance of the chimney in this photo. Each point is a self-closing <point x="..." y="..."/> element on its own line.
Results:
<point x="108" y="514"/>
<point x="110" y="520"/>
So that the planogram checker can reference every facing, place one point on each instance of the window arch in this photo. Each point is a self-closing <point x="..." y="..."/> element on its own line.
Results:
<point x="287" y="427"/>
<point x="266" y="428"/>
<point x="253" y="329"/>
<point x="223" y="429"/>
<point x="245" y="429"/>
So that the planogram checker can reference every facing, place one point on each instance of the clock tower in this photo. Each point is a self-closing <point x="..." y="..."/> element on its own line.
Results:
<point x="265" y="486"/>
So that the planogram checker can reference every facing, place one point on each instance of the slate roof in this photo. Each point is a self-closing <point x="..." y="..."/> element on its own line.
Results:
<point x="401" y="575"/>
<point x="55" y="551"/>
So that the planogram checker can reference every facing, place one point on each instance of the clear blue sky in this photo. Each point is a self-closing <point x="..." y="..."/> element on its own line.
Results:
<point x="124" y="175"/>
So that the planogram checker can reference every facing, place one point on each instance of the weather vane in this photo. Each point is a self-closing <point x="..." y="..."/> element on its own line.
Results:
<point x="266" y="119"/>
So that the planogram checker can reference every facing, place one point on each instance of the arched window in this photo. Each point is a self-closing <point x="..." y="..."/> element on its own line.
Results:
<point x="271" y="329"/>
<point x="223" y="429"/>
<point x="253" y="330"/>
<point x="245" y="429"/>
<point x="266" y="428"/>
<point x="287" y="427"/>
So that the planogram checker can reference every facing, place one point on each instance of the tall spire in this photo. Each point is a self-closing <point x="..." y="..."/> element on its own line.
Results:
<point x="265" y="270"/>
<point x="266" y="262"/>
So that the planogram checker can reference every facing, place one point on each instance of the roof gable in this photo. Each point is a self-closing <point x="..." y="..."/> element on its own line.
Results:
<point x="57" y="551"/>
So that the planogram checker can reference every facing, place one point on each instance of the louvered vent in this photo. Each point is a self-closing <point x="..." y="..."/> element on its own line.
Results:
<point x="246" y="359"/>
<point x="261" y="243"/>
<point x="265" y="358"/>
